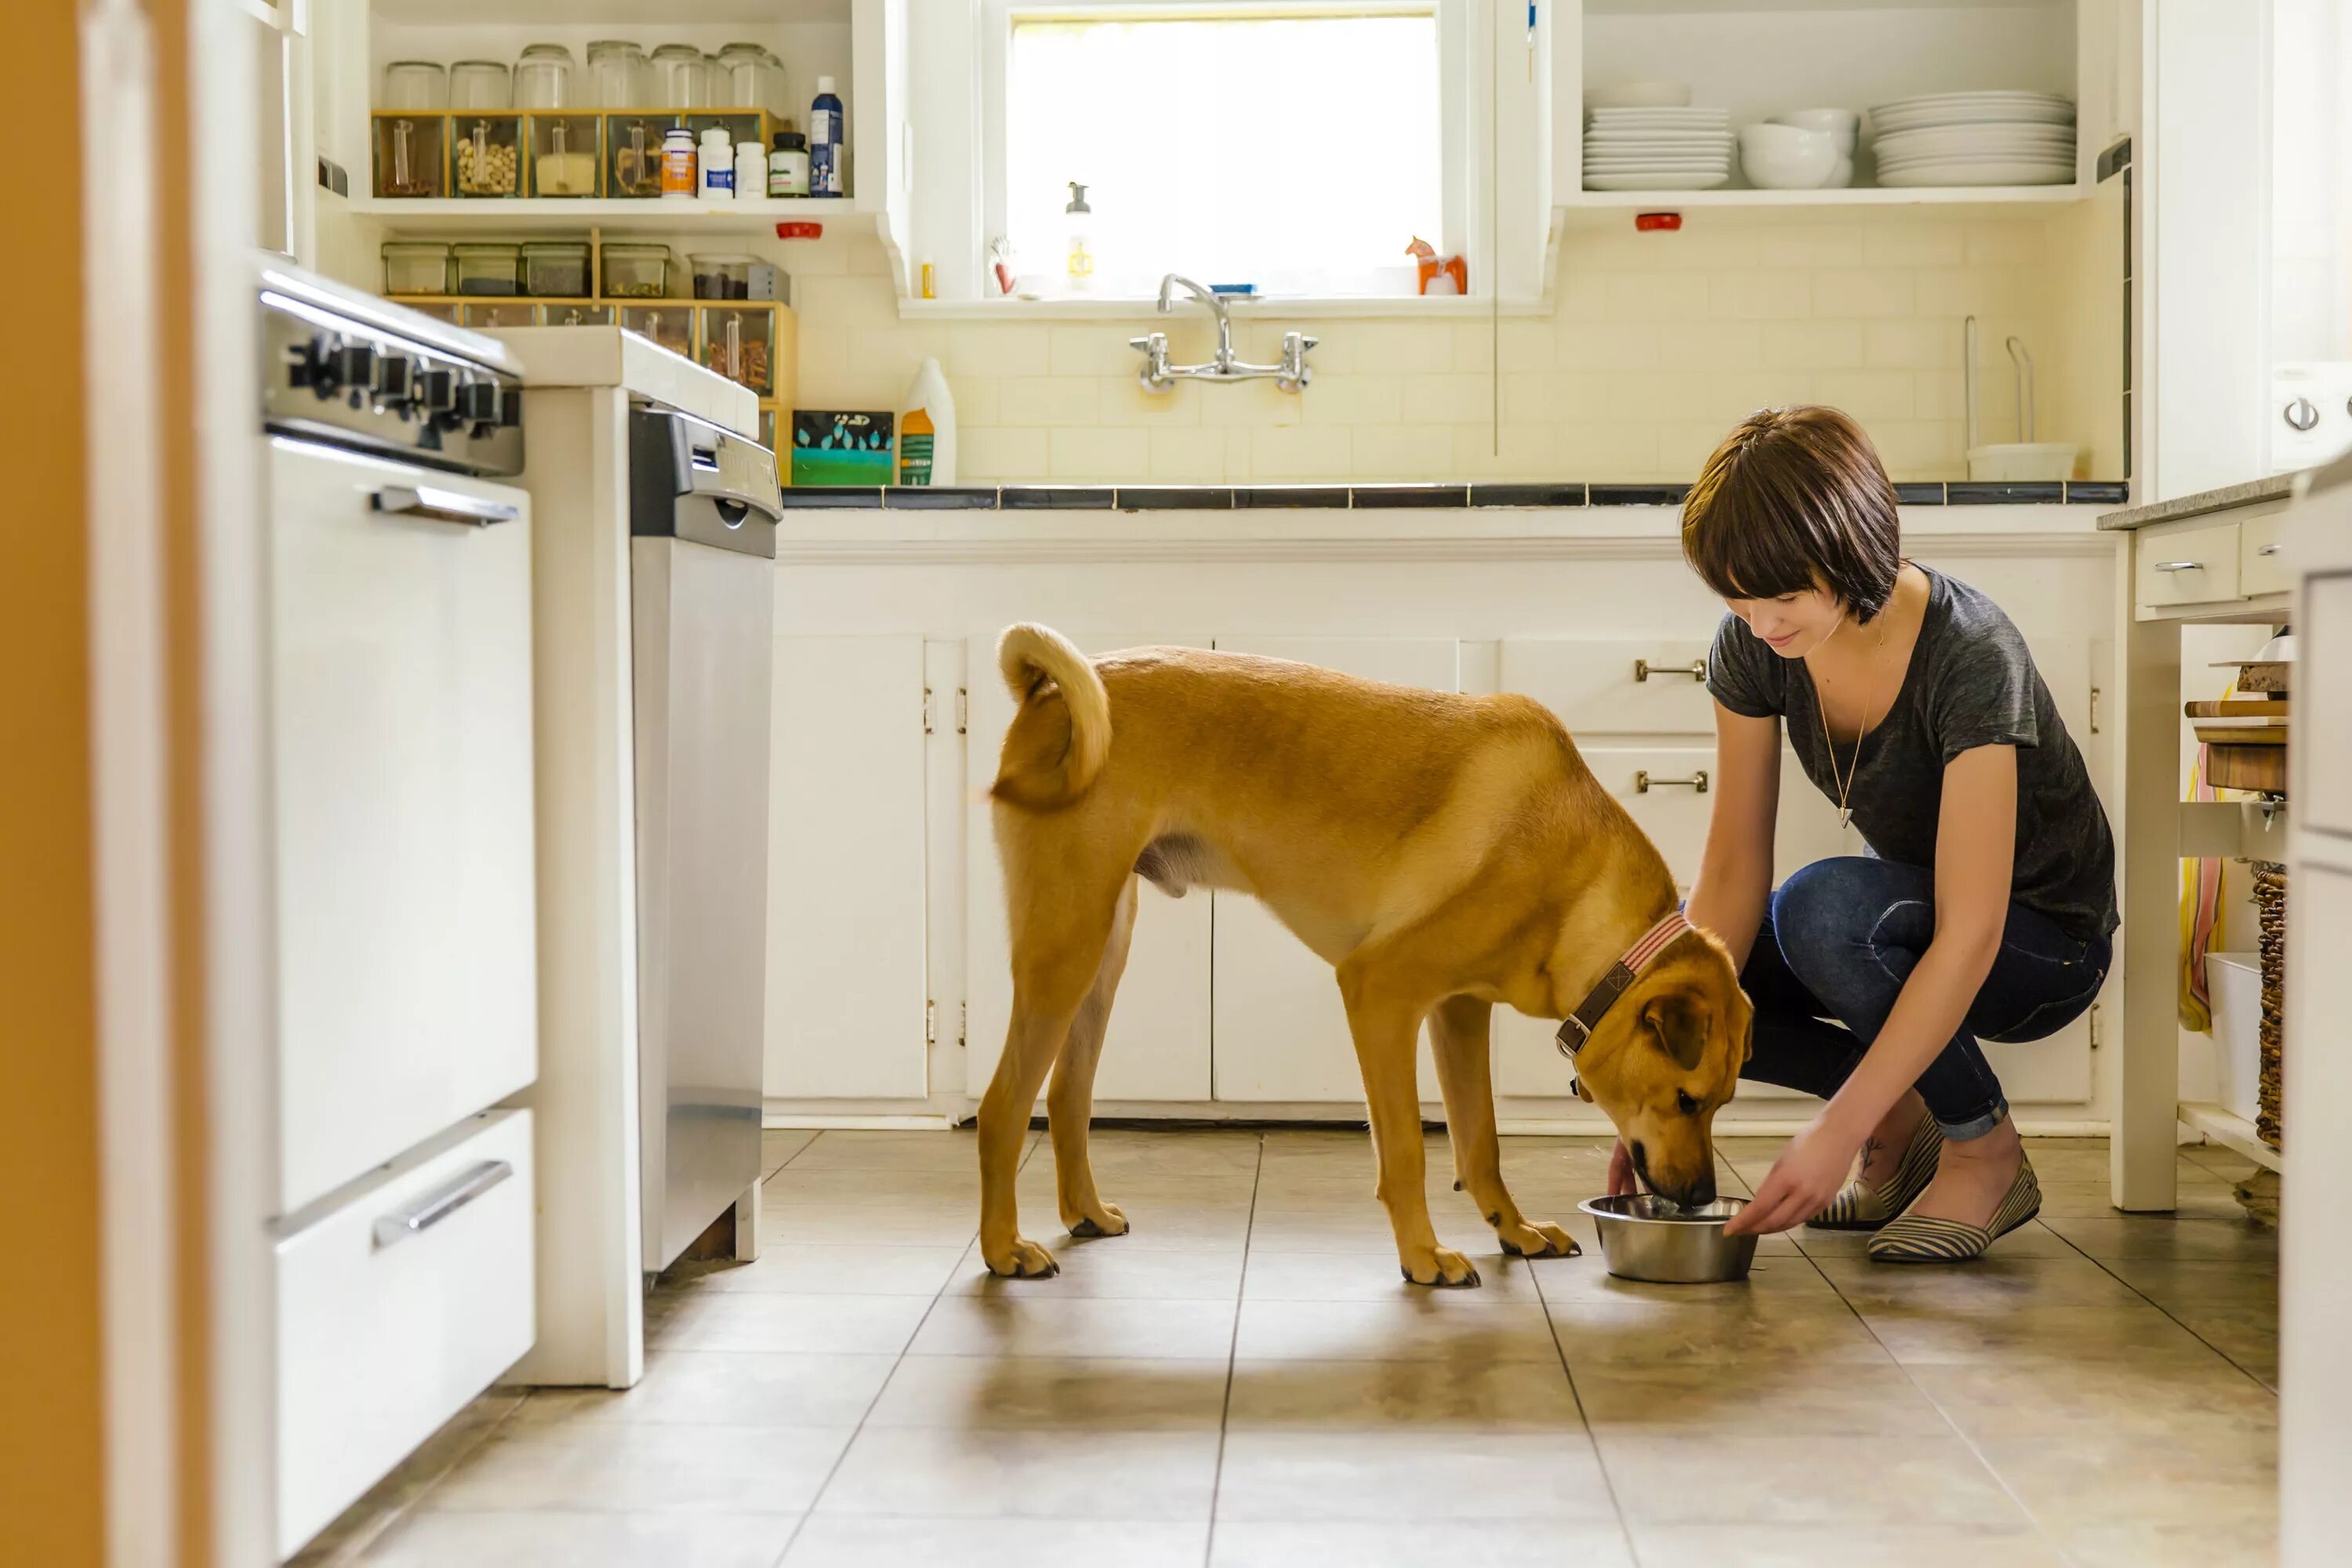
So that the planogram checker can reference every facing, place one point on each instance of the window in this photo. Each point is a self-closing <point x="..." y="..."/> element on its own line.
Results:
<point x="1297" y="147"/>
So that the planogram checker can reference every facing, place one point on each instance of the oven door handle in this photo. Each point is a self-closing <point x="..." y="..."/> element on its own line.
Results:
<point x="441" y="506"/>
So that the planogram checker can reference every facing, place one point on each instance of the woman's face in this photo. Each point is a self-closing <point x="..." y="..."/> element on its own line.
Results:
<point x="1792" y="624"/>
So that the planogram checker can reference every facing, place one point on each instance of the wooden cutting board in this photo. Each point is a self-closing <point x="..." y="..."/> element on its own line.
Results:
<point x="2239" y="708"/>
<point x="2260" y="768"/>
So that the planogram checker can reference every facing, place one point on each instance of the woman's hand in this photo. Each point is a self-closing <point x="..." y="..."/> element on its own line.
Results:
<point x="1800" y="1184"/>
<point x="1621" y="1173"/>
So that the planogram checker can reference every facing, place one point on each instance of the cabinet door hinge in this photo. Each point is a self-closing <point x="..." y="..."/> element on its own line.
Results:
<point x="2095" y="1025"/>
<point x="931" y="1023"/>
<point x="963" y="1023"/>
<point x="926" y="709"/>
<point x="963" y="708"/>
<point x="2095" y="710"/>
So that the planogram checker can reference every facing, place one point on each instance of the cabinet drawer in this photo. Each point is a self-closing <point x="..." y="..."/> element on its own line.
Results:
<point x="2262" y="555"/>
<point x="393" y="1310"/>
<point x="2186" y="564"/>
<point x="1651" y="686"/>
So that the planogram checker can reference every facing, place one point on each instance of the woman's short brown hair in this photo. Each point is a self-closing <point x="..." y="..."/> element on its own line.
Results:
<point x="1795" y="498"/>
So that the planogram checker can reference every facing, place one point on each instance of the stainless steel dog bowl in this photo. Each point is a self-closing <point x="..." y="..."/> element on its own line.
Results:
<point x="1644" y="1237"/>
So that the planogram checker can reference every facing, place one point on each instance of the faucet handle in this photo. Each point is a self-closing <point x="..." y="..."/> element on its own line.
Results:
<point x="1294" y="375"/>
<point x="1154" y="348"/>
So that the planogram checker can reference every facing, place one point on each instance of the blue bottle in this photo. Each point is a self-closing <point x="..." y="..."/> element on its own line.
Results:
<point x="824" y="141"/>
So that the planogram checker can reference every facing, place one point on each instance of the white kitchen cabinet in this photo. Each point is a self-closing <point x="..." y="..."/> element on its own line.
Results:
<point x="1279" y="1033"/>
<point x="846" y="861"/>
<point x="1158" y="1044"/>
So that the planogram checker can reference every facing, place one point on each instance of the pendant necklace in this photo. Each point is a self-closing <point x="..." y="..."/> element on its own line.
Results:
<point x="1853" y="767"/>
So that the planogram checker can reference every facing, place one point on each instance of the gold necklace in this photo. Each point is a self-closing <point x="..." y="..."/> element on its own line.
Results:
<point x="1853" y="767"/>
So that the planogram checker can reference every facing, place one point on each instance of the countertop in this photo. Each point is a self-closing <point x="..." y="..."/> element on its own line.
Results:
<point x="2253" y="492"/>
<point x="1545" y="494"/>
<point x="607" y="356"/>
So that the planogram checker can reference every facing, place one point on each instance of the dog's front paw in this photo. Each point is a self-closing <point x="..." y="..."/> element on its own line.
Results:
<point x="1021" y="1260"/>
<point x="1442" y="1266"/>
<point x="1105" y="1220"/>
<point x="1537" y="1239"/>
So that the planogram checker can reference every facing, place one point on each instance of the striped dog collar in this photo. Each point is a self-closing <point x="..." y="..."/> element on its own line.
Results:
<point x="1578" y="1027"/>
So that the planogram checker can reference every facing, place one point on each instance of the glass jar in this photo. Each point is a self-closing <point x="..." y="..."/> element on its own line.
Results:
<point x="750" y="78"/>
<point x="480" y="84"/>
<point x="636" y="271"/>
<point x="486" y="156"/>
<point x="564" y="154"/>
<point x="555" y="268"/>
<point x="411" y="157"/>
<point x="489" y="268"/>
<point x="681" y="78"/>
<point x="542" y="79"/>
<point x="415" y="86"/>
<point x="619" y="74"/>
<point x="415" y="267"/>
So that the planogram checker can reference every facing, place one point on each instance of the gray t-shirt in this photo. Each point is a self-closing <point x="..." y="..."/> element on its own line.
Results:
<point x="1971" y="682"/>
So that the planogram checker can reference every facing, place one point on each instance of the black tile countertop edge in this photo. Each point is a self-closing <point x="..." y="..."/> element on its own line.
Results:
<point x="1545" y="493"/>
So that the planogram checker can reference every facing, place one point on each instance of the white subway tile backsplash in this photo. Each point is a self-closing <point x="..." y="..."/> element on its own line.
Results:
<point x="1867" y="395"/>
<point x="2010" y="244"/>
<point x="1400" y="451"/>
<point x="1724" y="345"/>
<point x="1911" y="345"/>
<point x="1192" y="455"/>
<point x="1077" y="453"/>
<point x="1823" y="344"/>
<point x="1800" y="245"/>
<point x="986" y="453"/>
<point x="1605" y="345"/>
<point x="1048" y="400"/>
<point x="1846" y="292"/>
<point x="1740" y="295"/>
<point x="1912" y="244"/>
<point x="1301" y="452"/>
<point x="1661" y="296"/>
<point x="1352" y="400"/>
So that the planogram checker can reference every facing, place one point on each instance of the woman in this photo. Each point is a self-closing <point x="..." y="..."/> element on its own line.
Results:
<point x="1984" y="908"/>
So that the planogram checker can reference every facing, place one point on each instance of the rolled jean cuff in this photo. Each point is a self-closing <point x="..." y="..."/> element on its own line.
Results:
<point x="1976" y="1126"/>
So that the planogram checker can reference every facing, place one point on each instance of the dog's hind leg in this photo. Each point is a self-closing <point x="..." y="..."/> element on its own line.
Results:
<point x="1069" y="1104"/>
<point x="1458" y="1032"/>
<point x="1386" y="1032"/>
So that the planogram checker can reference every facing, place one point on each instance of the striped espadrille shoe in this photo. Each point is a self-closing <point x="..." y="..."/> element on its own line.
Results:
<point x="1922" y="1239"/>
<point x="1865" y="1205"/>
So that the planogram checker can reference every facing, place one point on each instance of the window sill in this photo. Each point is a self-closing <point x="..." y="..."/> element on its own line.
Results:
<point x="1242" y="307"/>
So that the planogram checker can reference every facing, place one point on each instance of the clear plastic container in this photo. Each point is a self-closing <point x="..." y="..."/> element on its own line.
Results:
<point x="636" y="271"/>
<point x="498" y="313"/>
<point x="415" y="267"/>
<point x="410" y="157"/>
<point x="556" y="268"/>
<point x="543" y="79"/>
<point x="619" y="74"/>
<point x="750" y="77"/>
<point x="563" y="155"/>
<point x="416" y="86"/>
<point x="681" y="78"/>
<point x="486" y="159"/>
<point x="488" y="268"/>
<point x="479" y="85"/>
<point x="669" y="326"/>
<point x="632" y="155"/>
<point x="575" y="315"/>
<point x="739" y="343"/>
<point x="721" y="277"/>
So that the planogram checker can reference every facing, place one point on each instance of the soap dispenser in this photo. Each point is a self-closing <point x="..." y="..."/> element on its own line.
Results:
<point x="1077" y="225"/>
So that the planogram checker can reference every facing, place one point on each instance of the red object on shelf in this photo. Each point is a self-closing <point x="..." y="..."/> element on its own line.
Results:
<point x="1657" y="223"/>
<point x="800" y="231"/>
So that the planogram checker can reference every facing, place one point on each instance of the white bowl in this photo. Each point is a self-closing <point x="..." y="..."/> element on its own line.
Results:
<point x="1639" y="95"/>
<point x="2015" y="460"/>
<point x="1840" y="177"/>
<point x="1785" y="158"/>
<point x="1845" y="124"/>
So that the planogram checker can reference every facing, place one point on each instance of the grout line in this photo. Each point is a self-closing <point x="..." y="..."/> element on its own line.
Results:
<point x="1232" y="1347"/>
<point x="2101" y="1264"/>
<point x="1599" y="1461"/>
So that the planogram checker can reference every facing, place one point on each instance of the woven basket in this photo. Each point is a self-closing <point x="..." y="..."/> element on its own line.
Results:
<point x="2270" y="899"/>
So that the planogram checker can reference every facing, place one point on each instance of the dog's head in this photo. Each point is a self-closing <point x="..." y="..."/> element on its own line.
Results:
<point x="1665" y="1058"/>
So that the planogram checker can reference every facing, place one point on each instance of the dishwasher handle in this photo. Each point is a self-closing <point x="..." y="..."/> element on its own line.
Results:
<point x="441" y="506"/>
<point x="435" y="1208"/>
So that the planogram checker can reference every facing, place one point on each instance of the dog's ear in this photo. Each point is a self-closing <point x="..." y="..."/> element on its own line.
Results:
<point x="1679" y="1022"/>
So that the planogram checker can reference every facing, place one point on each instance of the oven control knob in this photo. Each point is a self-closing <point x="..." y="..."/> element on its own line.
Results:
<point x="314" y="366"/>
<point x="479" y="401"/>
<point x="355" y="366"/>
<point x="437" y="391"/>
<point x="2300" y="415"/>
<point x="395" y="379"/>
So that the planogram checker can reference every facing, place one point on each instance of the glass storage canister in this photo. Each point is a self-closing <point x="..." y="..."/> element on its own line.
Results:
<point x="415" y="267"/>
<point x="488" y="268"/>
<point x="480" y="84"/>
<point x="555" y="268"/>
<point x="681" y="78"/>
<point x="668" y="326"/>
<point x="619" y="74"/>
<point x="415" y="86"/>
<point x="750" y="77"/>
<point x="486" y="159"/>
<point x="542" y="79"/>
<point x="410" y="160"/>
<point x="564" y="154"/>
<point x="736" y="342"/>
<point x="636" y="271"/>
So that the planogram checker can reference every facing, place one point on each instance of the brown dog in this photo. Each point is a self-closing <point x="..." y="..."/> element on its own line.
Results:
<point x="1443" y="853"/>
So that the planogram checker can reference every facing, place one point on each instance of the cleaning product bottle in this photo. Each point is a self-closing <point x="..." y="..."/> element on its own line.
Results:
<point x="824" y="141"/>
<point x="1077" y="225"/>
<point x="927" y="431"/>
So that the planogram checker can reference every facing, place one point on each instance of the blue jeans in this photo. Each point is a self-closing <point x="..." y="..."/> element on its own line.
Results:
<point x="1838" y="940"/>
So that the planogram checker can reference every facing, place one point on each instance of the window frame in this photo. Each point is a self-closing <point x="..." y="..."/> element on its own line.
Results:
<point x="1459" y="142"/>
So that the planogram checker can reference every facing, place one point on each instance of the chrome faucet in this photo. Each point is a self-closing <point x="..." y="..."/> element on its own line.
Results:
<point x="1290" y="375"/>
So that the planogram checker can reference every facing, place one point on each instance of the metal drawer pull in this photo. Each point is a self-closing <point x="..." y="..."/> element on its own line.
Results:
<point x="1696" y="783"/>
<point x="441" y="506"/>
<point x="2178" y="565"/>
<point x="1696" y="670"/>
<point x="2270" y="548"/>
<point x="432" y="1210"/>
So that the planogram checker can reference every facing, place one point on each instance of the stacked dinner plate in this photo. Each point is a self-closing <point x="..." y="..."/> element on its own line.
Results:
<point x="1656" y="149"/>
<point x="1976" y="139"/>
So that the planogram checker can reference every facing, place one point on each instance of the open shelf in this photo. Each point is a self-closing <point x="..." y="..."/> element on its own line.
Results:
<point x="2231" y="1131"/>
<point x="536" y="214"/>
<point x="1586" y="207"/>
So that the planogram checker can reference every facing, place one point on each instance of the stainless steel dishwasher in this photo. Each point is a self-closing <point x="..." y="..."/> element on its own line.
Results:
<point x="703" y="508"/>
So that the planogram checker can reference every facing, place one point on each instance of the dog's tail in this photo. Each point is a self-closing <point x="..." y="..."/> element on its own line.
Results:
<point x="1041" y="665"/>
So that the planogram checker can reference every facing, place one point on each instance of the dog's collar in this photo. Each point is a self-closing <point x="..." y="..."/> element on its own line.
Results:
<point x="1578" y="1027"/>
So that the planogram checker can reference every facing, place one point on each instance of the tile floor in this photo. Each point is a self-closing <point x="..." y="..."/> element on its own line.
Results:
<point x="1243" y="1380"/>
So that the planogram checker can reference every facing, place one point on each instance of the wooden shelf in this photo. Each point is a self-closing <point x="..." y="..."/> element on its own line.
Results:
<point x="2230" y="1130"/>
<point x="539" y="214"/>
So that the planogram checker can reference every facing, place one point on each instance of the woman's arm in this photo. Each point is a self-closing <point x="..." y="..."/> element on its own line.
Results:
<point x="1735" y="873"/>
<point x="1976" y="841"/>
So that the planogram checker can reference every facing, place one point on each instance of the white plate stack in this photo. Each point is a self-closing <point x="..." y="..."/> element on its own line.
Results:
<point x="1656" y="149"/>
<point x="1976" y="139"/>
